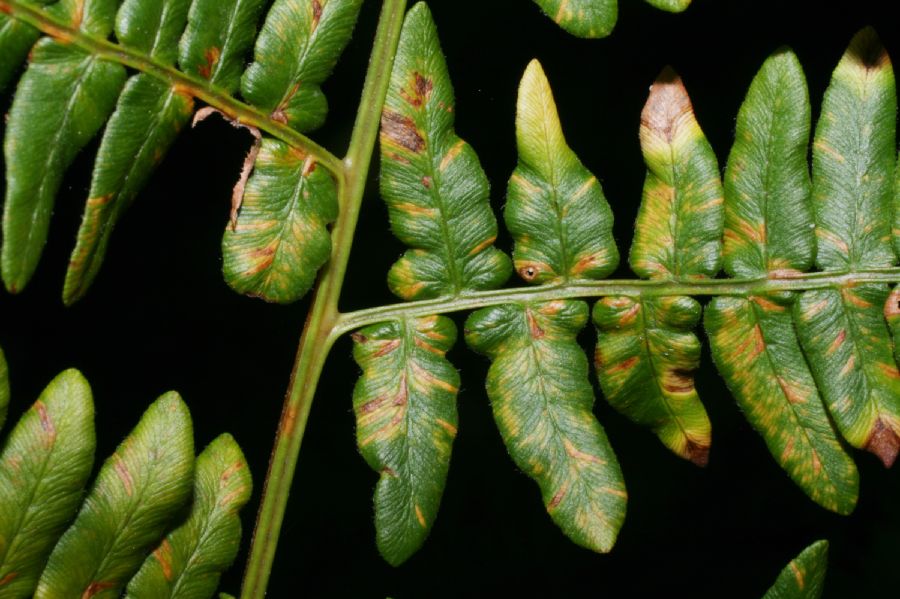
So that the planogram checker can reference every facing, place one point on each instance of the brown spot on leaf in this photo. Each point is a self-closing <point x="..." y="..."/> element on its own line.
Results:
<point x="667" y="105"/>
<point x="212" y="58"/>
<point x="421" y="91"/>
<point x="798" y="575"/>
<point x="868" y="49"/>
<point x="420" y="517"/>
<point x="316" y="14"/>
<point x="279" y="114"/>
<point x="359" y="337"/>
<point x="387" y="348"/>
<point x="892" y="305"/>
<point x="97" y="587"/>
<point x="163" y="555"/>
<point x="697" y="453"/>
<point x="426" y="182"/>
<point x="528" y="273"/>
<point x="678" y="381"/>
<point x="884" y="443"/>
<point x="401" y="130"/>
<point x="557" y="498"/>
<point x="624" y="365"/>
<point x="230" y="471"/>
<point x="124" y="475"/>
<point x="535" y="329"/>
<point x="8" y="578"/>
<point x="389" y="471"/>
<point x="371" y="406"/>
<point x="46" y="422"/>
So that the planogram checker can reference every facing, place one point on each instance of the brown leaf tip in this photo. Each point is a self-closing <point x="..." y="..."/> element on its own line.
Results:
<point x="884" y="443"/>
<point x="697" y="453"/>
<point x="867" y="49"/>
<point x="667" y="103"/>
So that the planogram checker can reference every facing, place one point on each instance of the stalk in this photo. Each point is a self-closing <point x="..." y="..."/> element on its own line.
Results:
<point x="318" y="334"/>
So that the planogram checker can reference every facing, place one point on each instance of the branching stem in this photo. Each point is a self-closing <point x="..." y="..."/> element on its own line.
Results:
<point x="187" y="84"/>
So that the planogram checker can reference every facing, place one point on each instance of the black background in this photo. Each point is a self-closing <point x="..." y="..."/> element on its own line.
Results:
<point x="160" y="317"/>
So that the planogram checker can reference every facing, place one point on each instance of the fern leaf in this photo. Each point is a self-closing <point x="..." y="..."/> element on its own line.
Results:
<point x="431" y="180"/>
<point x="405" y="404"/>
<point x="4" y="389"/>
<point x="843" y="331"/>
<point x="804" y="576"/>
<point x="295" y="52"/>
<point x="583" y="18"/>
<point x="670" y="5"/>
<point x="678" y="235"/>
<point x="542" y="401"/>
<point x="44" y="466"/>
<point x="190" y="560"/>
<point x="769" y="232"/>
<point x="16" y="39"/>
<point x="555" y="208"/>
<point x="135" y="498"/>
<point x="148" y="118"/>
<point x="281" y="237"/>
<point x="897" y="208"/>
<point x="218" y="37"/>
<point x="61" y="102"/>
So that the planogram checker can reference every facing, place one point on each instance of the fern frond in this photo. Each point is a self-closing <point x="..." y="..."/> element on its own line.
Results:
<point x="806" y="354"/>
<point x="138" y="496"/>
<point x="76" y="77"/>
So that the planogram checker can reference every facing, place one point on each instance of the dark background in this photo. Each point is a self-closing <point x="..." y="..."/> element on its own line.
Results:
<point x="160" y="317"/>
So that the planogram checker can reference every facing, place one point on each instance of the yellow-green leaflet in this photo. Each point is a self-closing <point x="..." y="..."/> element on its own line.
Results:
<point x="769" y="232"/>
<point x="843" y="331"/>
<point x="44" y="466"/>
<point x="555" y="208"/>
<point x="542" y="402"/>
<point x="431" y="180"/>
<point x="137" y="495"/>
<point x="190" y="560"/>
<point x="804" y="577"/>
<point x="405" y="405"/>
<point x="670" y="5"/>
<point x="583" y="18"/>
<point x="646" y="354"/>
<point x="281" y="237"/>
<point x="646" y="349"/>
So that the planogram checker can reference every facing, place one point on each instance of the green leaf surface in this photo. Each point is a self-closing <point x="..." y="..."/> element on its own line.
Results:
<point x="44" y="466"/>
<point x="296" y="50"/>
<point x="679" y="225"/>
<point x="94" y="17"/>
<point x="138" y="493"/>
<point x="219" y="35"/>
<point x="755" y="347"/>
<point x="4" y="389"/>
<point x="892" y="315"/>
<point x="281" y="237"/>
<point x="405" y="405"/>
<point x="542" y="402"/>
<point x="191" y="559"/>
<point x="853" y="160"/>
<point x="847" y="344"/>
<point x="153" y="28"/>
<point x="61" y="102"/>
<point x="148" y="118"/>
<point x="583" y="18"/>
<point x="670" y="5"/>
<point x="804" y="577"/>
<point x="768" y="213"/>
<point x="555" y="208"/>
<point x="16" y="39"/>
<point x="645" y="358"/>
<point x="896" y="207"/>
<point x="432" y="182"/>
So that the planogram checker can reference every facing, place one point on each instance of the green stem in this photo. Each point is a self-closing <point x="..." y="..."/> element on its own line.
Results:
<point x="193" y="86"/>
<point x="318" y="334"/>
<point x="739" y="287"/>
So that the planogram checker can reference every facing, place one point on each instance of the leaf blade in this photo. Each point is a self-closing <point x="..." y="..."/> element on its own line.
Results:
<point x="281" y="238"/>
<point x="152" y="27"/>
<point x="804" y="576"/>
<point x="137" y="493"/>
<point x="755" y="348"/>
<point x="405" y="405"/>
<point x="190" y="560"/>
<point x="431" y="180"/>
<point x="645" y="359"/>
<point x="583" y="18"/>
<point x="44" y="466"/>
<point x="62" y="101"/>
<point x="853" y="159"/>
<point x="290" y="88"/>
<point x="541" y="398"/>
<point x="552" y="191"/>
<point x="4" y="389"/>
